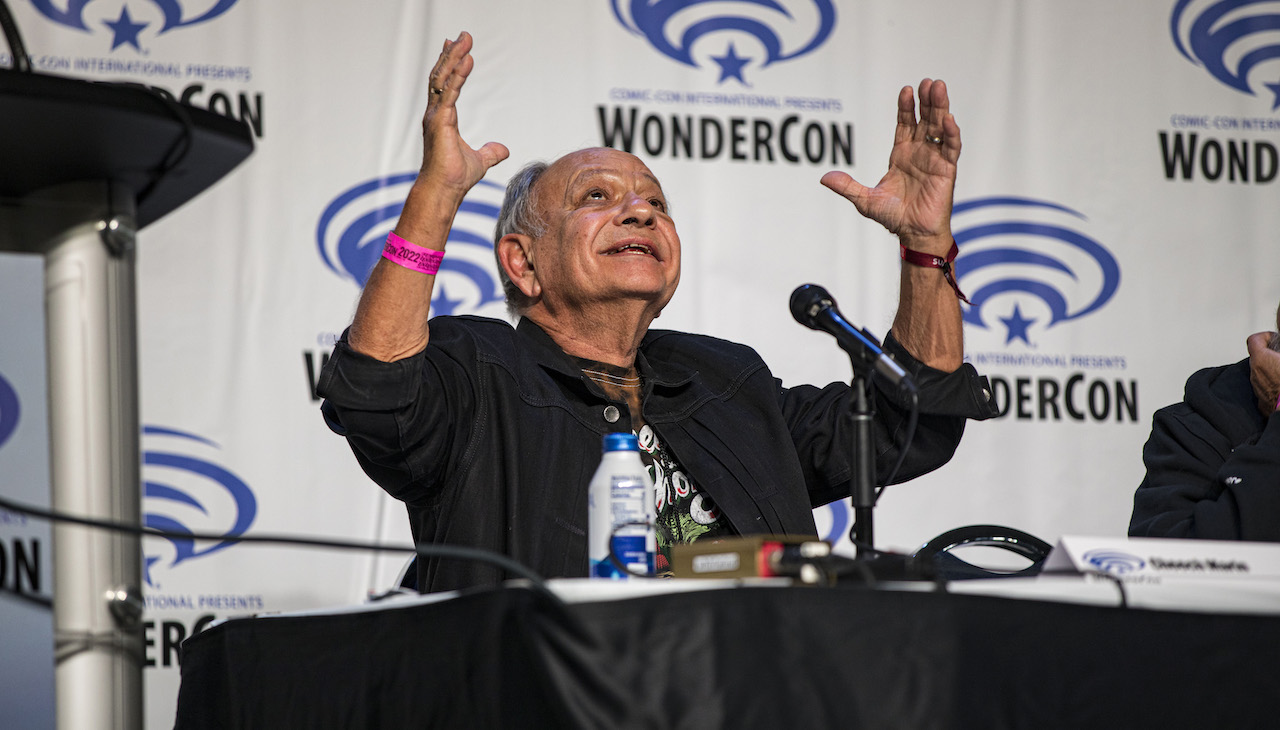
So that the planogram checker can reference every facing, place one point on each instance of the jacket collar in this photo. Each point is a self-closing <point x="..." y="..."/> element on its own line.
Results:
<point x="549" y="355"/>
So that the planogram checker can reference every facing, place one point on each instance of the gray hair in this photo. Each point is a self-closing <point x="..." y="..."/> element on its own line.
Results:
<point x="518" y="215"/>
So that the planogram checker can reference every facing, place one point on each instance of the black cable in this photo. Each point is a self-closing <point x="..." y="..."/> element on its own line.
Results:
<point x="11" y="36"/>
<point x="1124" y="593"/>
<point x="912" y="418"/>
<point x="422" y="549"/>
<point x="180" y="148"/>
<point x="559" y="610"/>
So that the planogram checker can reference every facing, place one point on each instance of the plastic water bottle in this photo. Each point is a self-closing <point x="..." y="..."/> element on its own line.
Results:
<point x="620" y="504"/>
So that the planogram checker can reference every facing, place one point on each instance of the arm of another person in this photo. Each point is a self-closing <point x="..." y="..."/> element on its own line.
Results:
<point x="391" y="320"/>
<point x="1200" y="485"/>
<point x="913" y="201"/>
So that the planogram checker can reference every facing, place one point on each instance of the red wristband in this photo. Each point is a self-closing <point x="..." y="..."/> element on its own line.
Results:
<point x="919" y="258"/>
<point x="411" y="256"/>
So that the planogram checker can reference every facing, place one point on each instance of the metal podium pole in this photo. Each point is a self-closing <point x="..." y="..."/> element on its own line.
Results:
<point x="91" y="328"/>
<point x="61" y="140"/>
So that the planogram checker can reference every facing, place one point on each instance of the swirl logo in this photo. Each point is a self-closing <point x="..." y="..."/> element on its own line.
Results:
<point x="166" y="14"/>
<point x="1114" y="561"/>
<point x="185" y="492"/>
<point x="1025" y="258"/>
<point x="354" y="227"/>
<point x="1230" y="38"/>
<point x="9" y="410"/>
<point x="840" y="519"/>
<point x="766" y="31"/>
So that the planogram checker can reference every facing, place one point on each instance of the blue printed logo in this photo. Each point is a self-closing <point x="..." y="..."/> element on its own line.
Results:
<point x="9" y="410"/>
<point x="1114" y="561"/>
<point x="185" y="492"/>
<point x="743" y="32"/>
<point x="160" y="15"/>
<point x="840" y="519"/>
<point x="1229" y="38"/>
<point x="1024" y="264"/>
<point x="354" y="227"/>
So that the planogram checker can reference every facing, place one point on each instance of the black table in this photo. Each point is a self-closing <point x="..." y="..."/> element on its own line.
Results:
<point x="766" y="657"/>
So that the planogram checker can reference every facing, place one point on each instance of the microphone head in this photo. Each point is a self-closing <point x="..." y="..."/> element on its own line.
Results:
<point x="807" y="301"/>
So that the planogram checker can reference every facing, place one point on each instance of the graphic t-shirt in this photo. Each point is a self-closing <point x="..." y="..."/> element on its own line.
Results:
<point x="683" y="513"/>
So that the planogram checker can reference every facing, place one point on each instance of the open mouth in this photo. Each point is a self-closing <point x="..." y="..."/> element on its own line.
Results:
<point x="633" y="248"/>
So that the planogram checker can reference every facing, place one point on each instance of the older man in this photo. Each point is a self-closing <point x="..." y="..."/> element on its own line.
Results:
<point x="1213" y="460"/>
<point x="490" y="433"/>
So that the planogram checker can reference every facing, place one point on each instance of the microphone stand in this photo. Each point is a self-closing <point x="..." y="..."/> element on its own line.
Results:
<point x="863" y="493"/>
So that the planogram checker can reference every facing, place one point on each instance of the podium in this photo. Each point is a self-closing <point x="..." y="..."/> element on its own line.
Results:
<point x="86" y="165"/>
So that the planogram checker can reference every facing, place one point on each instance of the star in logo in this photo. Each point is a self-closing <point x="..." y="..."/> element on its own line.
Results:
<point x="441" y="303"/>
<point x="146" y="569"/>
<point x="731" y="65"/>
<point x="124" y="30"/>
<point x="1275" y="89"/>
<point x="1017" y="326"/>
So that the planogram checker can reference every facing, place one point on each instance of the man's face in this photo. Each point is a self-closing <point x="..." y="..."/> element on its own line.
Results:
<point x="608" y="233"/>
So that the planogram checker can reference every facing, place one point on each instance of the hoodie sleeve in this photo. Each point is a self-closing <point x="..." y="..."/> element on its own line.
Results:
<point x="1204" y="482"/>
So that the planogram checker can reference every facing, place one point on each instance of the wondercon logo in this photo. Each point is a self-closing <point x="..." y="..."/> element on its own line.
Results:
<point x="1114" y="561"/>
<point x="354" y="227"/>
<point x="185" y="491"/>
<point x="9" y="410"/>
<point x="1231" y="38"/>
<point x="1027" y="267"/>
<point x="744" y="33"/>
<point x="161" y="15"/>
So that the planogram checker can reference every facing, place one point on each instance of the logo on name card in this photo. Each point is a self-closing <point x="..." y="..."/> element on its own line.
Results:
<point x="1029" y="265"/>
<point x="127" y="22"/>
<point x="735" y="38"/>
<point x="1114" y="562"/>
<point x="353" y="229"/>
<point x="1235" y="41"/>
<point x="10" y="409"/>
<point x="186" y="491"/>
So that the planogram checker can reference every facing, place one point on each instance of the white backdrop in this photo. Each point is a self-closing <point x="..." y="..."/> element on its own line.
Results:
<point x="1110" y="242"/>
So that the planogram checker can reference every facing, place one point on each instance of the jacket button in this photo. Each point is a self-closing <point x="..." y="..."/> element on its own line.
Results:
<point x="611" y="414"/>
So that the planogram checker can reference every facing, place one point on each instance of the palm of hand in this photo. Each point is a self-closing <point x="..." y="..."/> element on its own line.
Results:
<point x="914" y="196"/>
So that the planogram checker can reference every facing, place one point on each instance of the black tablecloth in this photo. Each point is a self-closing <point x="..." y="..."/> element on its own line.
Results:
<point x="742" y="658"/>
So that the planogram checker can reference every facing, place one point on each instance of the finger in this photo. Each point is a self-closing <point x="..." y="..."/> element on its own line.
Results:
<point x="906" y="128"/>
<point x="1258" y="343"/>
<point x="938" y="105"/>
<point x="453" y="58"/>
<point x="434" y="78"/>
<point x="844" y="184"/>
<point x="492" y="153"/>
<point x="951" y="133"/>
<point x="926" y="104"/>
<point x="934" y="112"/>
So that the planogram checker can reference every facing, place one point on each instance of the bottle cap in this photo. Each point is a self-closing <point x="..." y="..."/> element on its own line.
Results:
<point x="621" y="442"/>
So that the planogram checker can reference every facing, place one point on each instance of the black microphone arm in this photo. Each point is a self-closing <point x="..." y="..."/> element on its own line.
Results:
<point x="813" y="307"/>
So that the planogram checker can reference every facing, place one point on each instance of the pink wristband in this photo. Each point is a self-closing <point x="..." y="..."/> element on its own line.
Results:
<point x="411" y="256"/>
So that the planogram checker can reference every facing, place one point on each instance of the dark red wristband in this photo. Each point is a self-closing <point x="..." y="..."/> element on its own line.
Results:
<point x="920" y="258"/>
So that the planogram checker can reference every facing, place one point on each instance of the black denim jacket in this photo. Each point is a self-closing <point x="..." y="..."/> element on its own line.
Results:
<point x="491" y="435"/>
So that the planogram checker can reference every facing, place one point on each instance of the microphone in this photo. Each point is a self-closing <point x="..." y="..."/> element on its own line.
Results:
<point x="814" y="308"/>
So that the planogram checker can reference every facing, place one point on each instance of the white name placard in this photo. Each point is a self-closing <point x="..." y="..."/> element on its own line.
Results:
<point x="1146" y="558"/>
